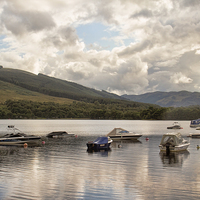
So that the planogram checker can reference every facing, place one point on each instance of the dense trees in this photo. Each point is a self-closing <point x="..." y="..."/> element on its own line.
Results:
<point x="97" y="110"/>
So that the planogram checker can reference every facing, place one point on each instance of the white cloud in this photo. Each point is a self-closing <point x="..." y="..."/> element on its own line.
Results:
<point x="162" y="54"/>
<point x="180" y="78"/>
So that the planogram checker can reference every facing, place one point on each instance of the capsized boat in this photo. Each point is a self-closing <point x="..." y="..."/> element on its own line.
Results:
<point x="173" y="142"/>
<point x="195" y="123"/>
<point x="101" y="143"/>
<point x="175" y="125"/>
<point x="16" y="137"/>
<point x="56" y="134"/>
<point x="122" y="134"/>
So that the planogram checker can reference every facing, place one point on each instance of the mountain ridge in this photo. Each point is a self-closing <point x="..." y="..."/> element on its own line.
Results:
<point x="167" y="99"/>
<point x="52" y="86"/>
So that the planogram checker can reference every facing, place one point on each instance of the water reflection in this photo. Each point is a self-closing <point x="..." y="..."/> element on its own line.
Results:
<point x="122" y="143"/>
<point x="63" y="169"/>
<point x="175" y="159"/>
<point x="103" y="153"/>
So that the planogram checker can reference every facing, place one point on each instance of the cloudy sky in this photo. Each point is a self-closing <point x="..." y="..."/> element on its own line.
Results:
<point x="121" y="46"/>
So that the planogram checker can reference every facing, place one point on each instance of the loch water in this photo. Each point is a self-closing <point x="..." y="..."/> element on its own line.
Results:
<point x="63" y="169"/>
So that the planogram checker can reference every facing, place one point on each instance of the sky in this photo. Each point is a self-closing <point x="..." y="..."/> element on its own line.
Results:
<point x="121" y="46"/>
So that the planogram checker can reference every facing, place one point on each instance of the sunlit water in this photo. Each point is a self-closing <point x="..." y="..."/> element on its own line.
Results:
<point x="63" y="169"/>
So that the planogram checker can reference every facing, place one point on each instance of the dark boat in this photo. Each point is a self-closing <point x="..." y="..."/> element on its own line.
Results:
<point x="56" y="134"/>
<point x="101" y="143"/>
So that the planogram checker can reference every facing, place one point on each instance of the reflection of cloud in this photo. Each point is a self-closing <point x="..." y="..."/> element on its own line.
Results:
<point x="162" y="38"/>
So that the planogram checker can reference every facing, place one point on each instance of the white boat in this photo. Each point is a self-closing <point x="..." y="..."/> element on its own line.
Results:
<point x="175" y="125"/>
<point x="173" y="142"/>
<point x="122" y="134"/>
<point x="16" y="137"/>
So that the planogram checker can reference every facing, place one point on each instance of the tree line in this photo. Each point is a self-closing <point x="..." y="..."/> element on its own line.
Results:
<point x="23" y="109"/>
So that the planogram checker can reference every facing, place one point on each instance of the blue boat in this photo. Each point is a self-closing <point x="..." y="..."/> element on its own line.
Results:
<point x="101" y="143"/>
<point x="195" y="123"/>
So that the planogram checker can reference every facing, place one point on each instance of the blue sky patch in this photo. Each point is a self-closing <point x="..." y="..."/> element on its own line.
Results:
<point x="94" y="34"/>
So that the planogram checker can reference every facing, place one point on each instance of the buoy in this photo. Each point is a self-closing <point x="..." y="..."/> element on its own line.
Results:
<point x="43" y="142"/>
<point x="76" y="136"/>
<point x="147" y="138"/>
<point x="25" y="144"/>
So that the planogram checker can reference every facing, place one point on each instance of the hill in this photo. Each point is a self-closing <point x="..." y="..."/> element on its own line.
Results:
<point x="167" y="99"/>
<point x="52" y="86"/>
<point x="10" y="91"/>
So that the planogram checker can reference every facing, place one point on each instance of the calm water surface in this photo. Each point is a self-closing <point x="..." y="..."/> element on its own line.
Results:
<point x="63" y="169"/>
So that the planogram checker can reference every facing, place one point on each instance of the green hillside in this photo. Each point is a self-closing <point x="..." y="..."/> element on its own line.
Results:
<point x="28" y="96"/>
<point x="10" y="91"/>
<point x="52" y="86"/>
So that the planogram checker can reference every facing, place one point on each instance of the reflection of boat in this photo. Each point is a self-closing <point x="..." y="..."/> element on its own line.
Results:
<point x="100" y="143"/>
<point x="103" y="153"/>
<point x="122" y="134"/>
<point x="194" y="135"/>
<point x="59" y="134"/>
<point x="9" y="150"/>
<point x="17" y="137"/>
<point x="172" y="142"/>
<point x="195" y="123"/>
<point x="175" y="125"/>
<point x="175" y="159"/>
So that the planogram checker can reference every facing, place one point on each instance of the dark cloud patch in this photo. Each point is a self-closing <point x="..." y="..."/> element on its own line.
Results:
<point x="143" y="13"/>
<point x="189" y="3"/>
<point x="61" y="38"/>
<point x="26" y="21"/>
<point x="134" y="48"/>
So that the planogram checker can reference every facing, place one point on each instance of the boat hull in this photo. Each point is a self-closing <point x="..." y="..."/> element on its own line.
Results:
<point x="96" y="147"/>
<point x="19" y="140"/>
<point x="194" y="135"/>
<point x="172" y="127"/>
<point x="174" y="148"/>
<point x="194" y="125"/>
<point x="125" y="137"/>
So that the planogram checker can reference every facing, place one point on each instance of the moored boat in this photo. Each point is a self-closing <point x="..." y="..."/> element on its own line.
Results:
<point x="16" y="137"/>
<point x="195" y="123"/>
<point x="57" y="134"/>
<point x="101" y="143"/>
<point x="194" y="135"/>
<point x="173" y="142"/>
<point x="122" y="134"/>
<point x="175" y="125"/>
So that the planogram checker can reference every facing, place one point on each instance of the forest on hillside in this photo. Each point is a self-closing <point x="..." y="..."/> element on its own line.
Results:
<point x="22" y="109"/>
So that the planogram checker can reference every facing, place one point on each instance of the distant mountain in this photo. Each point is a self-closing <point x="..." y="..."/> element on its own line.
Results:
<point x="52" y="86"/>
<point x="167" y="99"/>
